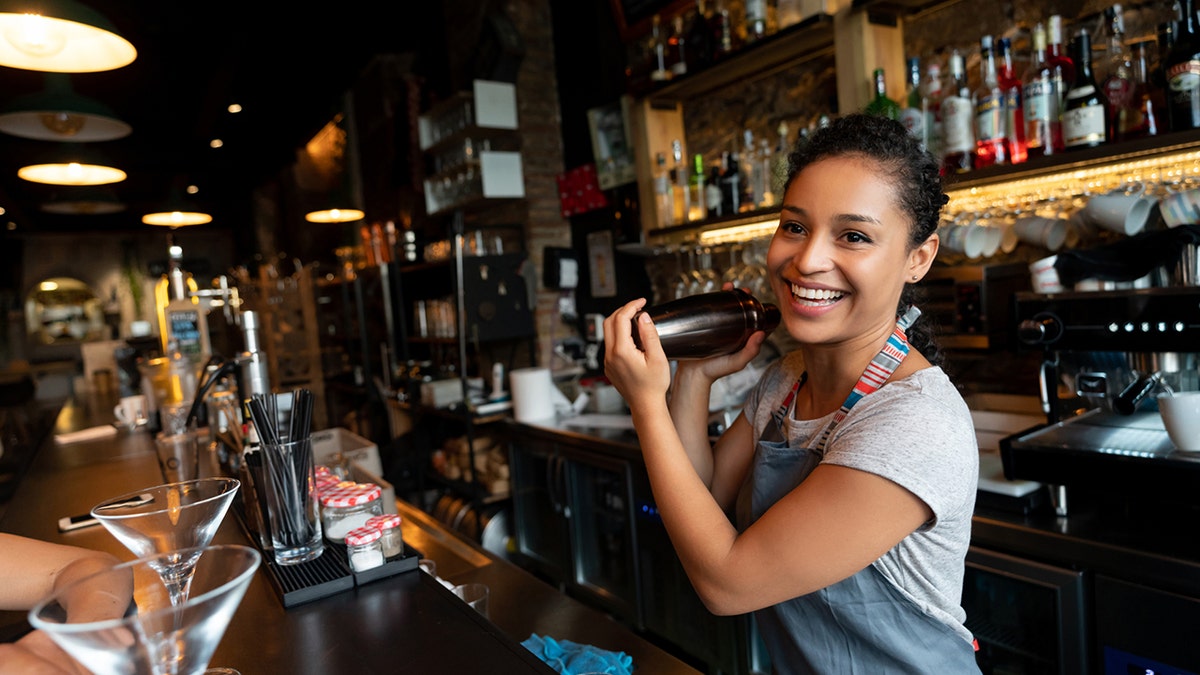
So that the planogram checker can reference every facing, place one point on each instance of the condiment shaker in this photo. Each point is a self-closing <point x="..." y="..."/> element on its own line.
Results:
<point x="709" y="324"/>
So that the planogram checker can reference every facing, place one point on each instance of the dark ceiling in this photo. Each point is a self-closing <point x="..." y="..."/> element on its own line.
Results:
<point x="287" y="64"/>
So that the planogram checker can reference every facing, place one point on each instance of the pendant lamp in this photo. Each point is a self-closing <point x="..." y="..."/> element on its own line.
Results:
<point x="329" y="166"/>
<point x="334" y="215"/>
<point x="71" y="164"/>
<point x="178" y="211"/>
<point x="60" y="36"/>
<point x="57" y="113"/>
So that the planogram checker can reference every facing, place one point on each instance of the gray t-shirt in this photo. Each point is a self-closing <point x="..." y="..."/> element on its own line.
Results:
<point x="916" y="432"/>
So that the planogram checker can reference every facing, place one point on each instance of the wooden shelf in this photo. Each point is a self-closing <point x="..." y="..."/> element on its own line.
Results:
<point x="784" y="49"/>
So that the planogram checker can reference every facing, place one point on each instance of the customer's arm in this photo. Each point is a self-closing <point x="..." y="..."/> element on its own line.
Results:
<point x="31" y="570"/>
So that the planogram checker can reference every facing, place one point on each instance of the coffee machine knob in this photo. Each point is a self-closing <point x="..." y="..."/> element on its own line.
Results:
<point x="1042" y="329"/>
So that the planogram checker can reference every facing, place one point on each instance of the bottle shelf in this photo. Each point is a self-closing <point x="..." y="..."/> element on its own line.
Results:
<point x="783" y="49"/>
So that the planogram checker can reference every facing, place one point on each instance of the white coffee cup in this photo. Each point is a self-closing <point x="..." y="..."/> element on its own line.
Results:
<point x="1180" y="414"/>
<point x="131" y="411"/>
<point x="1180" y="208"/>
<point x="1044" y="276"/>
<point x="1048" y="233"/>
<point x="1120" y="211"/>
<point x="969" y="240"/>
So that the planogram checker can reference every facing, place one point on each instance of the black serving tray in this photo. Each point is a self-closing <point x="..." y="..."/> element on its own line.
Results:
<point x="326" y="575"/>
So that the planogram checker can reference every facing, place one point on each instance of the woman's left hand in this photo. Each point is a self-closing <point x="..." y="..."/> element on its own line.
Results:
<point x="639" y="374"/>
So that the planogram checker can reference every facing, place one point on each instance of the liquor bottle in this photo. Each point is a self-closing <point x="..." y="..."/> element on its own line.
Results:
<point x="759" y="20"/>
<point x="679" y="184"/>
<point x="712" y="192"/>
<point x="958" y="128"/>
<point x="911" y="114"/>
<point x="765" y="172"/>
<point x="697" y="199"/>
<point x="1118" y="81"/>
<point x="721" y="29"/>
<point x="664" y="199"/>
<point x="731" y="183"/>
<point x="779" y="166"/>
<point x="881" y="105"/>
<point x="1182" y="65"/>
<point x="1014" y="108"/>
<point x="991" y="146"/>
<point x="1142" y="116"/>
<point x="699" y="37"/>
<point x="658" y="51"/>
<point x="1083" y="117"/>
<point x="752" y="178"/>
<point x="931" y="107"/>
<point x="677" y="48"/>
<point x="1043" y="132"/>
<point x="1062" y="71"/>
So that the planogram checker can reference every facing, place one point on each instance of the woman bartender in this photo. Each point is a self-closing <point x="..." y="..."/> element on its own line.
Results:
<point x="852" y="470"/>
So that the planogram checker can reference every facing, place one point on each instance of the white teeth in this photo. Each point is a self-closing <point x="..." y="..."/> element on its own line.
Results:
<point x="815" y="295"/>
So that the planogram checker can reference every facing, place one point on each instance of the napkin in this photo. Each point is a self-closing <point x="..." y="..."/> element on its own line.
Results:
<point x="89" y="434"/>
<point x="571" y="658"/>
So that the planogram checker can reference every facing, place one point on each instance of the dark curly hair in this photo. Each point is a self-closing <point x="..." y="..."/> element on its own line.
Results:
<point x="913" y="173"/>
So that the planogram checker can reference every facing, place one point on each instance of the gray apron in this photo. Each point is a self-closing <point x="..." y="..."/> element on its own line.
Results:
<point x="862" y="624"/>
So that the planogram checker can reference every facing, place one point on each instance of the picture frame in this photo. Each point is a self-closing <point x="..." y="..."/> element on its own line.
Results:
<point x="611" y="146"/>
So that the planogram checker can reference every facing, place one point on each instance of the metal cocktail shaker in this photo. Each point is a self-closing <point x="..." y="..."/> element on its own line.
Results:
<point x="709" y="324"/>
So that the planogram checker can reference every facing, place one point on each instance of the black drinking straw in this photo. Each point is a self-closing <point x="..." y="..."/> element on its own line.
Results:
<point x="290" y="481"/>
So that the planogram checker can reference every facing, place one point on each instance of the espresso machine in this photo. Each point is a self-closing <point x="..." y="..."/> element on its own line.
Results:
<point x="1107" y="355"/>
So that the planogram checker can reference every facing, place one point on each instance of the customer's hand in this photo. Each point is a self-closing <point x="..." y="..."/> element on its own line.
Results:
<point x="36" y="654"/>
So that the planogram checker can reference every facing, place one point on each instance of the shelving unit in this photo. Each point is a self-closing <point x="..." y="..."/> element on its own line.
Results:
<point x="480" y="277"/>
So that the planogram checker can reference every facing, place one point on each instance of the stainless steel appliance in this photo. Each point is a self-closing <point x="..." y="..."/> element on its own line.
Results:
<point x="972" y="305"/>
<point x="1093" y="344"/>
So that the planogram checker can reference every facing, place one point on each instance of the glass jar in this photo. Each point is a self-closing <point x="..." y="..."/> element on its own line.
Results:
<point x="348" y="505"/>
<point x="389" y="527"/>
<point x="363" y="549"/>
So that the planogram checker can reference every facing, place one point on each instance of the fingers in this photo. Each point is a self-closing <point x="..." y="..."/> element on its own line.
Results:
<point x="618" y="327"/>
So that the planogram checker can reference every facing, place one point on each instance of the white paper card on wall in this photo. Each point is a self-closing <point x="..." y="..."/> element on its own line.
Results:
<point x="568" y="273"/>
<point x="495" y="104"/>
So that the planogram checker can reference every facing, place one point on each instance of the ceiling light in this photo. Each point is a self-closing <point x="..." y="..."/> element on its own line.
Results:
<point x="334" y="216"/>
<point x="59" y="114"/>
<point x="216" y="143"/>
<point x="178" y="211"/>
<point x="234" y="108"/>
<point x="60" y="36"/>
<point x="71" y="173"/>
<point x="176" y="218"/>
<point x="70" y="164"/>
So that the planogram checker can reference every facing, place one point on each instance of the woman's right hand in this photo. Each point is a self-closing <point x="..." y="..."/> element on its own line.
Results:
<point x="640" y="375"/>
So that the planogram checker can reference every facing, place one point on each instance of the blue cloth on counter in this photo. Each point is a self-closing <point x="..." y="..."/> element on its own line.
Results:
<point x="570" y="658"/>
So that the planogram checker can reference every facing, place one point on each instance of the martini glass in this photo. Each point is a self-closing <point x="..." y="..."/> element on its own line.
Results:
<point x="136" y="627"/>
<point x="177" y="519"/>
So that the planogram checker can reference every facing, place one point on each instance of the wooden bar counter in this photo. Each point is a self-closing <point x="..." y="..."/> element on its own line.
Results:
<point x="406" y="623"/>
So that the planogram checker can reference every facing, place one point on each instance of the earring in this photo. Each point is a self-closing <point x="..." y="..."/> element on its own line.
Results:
<point x="914" y="278"/>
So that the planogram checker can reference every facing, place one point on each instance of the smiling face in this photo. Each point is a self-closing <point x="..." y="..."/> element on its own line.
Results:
<point x="841" y="255"/>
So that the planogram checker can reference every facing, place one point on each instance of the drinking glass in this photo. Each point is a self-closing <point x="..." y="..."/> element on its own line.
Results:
<point x="147" y="631"/>
<point x="179" y="518"/>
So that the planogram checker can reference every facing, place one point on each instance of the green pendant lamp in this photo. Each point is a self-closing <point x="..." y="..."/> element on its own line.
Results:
<point x="60" y="36"/>
<point x="57" y="113"/>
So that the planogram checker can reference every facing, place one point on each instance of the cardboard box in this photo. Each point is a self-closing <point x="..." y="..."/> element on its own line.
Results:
<point x="356" y="449"/>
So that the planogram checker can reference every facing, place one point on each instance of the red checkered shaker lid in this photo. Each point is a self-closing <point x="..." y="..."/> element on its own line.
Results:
<point x="385" y="522"/>
<point x="350" y="494"/>
<point x="362" y="535"/>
